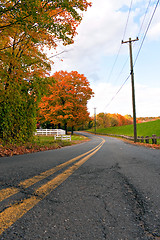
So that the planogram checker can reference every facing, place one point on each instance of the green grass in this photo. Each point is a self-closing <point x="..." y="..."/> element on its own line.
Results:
<point x="49" y="140"/>
<point x="78" y="138"/>
<point x="143" y="129"/>
<point x="44" y="139"/>
<point x="40" y="143"/>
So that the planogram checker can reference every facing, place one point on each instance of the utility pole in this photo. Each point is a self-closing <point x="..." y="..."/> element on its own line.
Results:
<point x="95" y="120"/>
<point x="132" y="82"/>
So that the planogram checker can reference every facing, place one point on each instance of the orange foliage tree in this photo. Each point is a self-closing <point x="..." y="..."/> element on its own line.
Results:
<point x="26" y="27"/>
<point x="111" y="120"/>
<point x="66" y="101"/>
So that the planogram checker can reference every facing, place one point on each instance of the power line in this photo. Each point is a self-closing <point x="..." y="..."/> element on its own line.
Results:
<point x="144" y="18"/>
<point x="138" y="51"/>
<point x="125" y="29"/>
<point x="57" y="54"/>
<point x="121" y="85"/>
<point x="124" y="36"/>
<point x="109" y="77"/>
<point x="117" y="91"/>
<point x="114" y="63"/>
<point x="127" y="19"/>
<point x="122" y="69"/>
<point x="146" y="32"/>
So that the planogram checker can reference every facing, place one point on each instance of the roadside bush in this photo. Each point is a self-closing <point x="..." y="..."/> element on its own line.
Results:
<point x="17" y="114"/>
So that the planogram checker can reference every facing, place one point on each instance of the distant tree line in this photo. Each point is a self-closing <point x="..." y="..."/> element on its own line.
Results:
<point x="104" y="120"/>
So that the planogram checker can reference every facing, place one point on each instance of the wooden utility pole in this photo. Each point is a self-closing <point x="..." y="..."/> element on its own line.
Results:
<point x="95" y="120"/>
<point x="132" y="82"/>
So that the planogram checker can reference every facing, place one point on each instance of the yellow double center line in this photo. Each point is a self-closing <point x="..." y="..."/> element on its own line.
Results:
<point x="16" y="211"/>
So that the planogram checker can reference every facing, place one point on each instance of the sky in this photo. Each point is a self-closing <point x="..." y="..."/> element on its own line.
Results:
<point x="98" y="54"/>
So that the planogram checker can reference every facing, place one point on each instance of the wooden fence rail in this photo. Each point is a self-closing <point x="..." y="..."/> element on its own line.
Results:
<point x="141" y="139"/>
<point x="146" y="139"/>
<point x="46" y="132"/>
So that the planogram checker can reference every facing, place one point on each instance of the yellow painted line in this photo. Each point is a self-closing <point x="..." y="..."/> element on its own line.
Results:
<point x="16" y="211"/>
<point x="51" y="185"/>
<point x="13" y="213"/>
<point x="8" y="192"/>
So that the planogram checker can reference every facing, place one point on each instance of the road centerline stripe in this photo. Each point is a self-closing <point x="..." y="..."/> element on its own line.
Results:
<point x="8" y="192"/>
<point x="16" y="211"/>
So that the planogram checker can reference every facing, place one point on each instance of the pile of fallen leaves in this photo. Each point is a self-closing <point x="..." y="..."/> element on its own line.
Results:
<point x="10" y="150"/>
<point x="148" y="145"/>
<point x="153" y="146"/>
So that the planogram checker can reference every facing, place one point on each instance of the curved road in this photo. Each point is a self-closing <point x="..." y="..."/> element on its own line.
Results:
<point x="101" y="189"/>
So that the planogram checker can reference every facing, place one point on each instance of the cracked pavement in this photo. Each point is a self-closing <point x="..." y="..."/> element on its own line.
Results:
<point x="115" y="195"/>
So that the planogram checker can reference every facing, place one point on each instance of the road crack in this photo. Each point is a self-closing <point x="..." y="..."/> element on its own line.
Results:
<point x="139" y="207"/>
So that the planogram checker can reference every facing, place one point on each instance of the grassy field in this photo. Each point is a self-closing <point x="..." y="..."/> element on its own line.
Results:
<point x="143" y="129"/>
<point x="40" y="143"/>
<point x="49" y="140"/>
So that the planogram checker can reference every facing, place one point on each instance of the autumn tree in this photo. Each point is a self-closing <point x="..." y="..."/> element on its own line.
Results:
<point x="103" y="120"/>
<point x="66" y="100"/>
<point x="111" y="120"/>
<point x="26" y="27"/>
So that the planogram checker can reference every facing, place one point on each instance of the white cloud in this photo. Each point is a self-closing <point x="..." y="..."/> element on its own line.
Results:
<point x="154" y="31"/>
<point x="147" y="100"/>
<point x="98" y="40"/>
<point x="99" y="34"/>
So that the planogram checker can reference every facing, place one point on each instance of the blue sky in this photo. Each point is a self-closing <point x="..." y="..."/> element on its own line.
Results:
<point x="96" y="48"/>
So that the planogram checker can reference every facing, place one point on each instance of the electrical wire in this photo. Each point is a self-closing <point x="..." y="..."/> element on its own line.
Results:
<point x="145" y="34"/>
<point x="57" y="54"/>
<point x="121" y="69"/>
<point x="139" y="48"/>
<point x="125" y="29"/>
<point x="144" y="18"/>
<point x="109" y="77"/>
<point x="118" y="91"/>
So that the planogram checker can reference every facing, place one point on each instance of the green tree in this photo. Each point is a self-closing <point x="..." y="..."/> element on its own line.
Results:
<point x="26" y="27"/>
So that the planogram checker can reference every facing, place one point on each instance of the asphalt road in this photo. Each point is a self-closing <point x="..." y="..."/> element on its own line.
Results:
<point x="101" y="189"/>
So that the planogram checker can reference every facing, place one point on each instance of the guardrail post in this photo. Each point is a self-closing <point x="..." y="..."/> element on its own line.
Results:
<point x="147" y="139"/>
<point x="154" y="139"/>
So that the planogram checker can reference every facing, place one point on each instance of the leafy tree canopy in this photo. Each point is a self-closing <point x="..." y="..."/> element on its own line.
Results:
<point x="66" y="101"/>
<point x="26" y="27"/>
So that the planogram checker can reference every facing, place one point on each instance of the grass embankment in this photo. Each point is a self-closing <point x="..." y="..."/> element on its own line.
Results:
<point x="48" y="141"/>
<point x="143" y="129"/>
<point x="40" y="143"/>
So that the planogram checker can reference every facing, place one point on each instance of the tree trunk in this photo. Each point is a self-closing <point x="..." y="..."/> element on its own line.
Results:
<point x="65" y="128"/>
<point x="72" y="130"/>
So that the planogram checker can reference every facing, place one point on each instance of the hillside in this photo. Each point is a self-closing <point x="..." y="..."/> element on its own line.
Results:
<point x="143" y="129"/>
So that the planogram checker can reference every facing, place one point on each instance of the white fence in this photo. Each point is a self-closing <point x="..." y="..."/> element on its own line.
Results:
<point x="57" y="132"/>
<point x="63" y="137"/>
